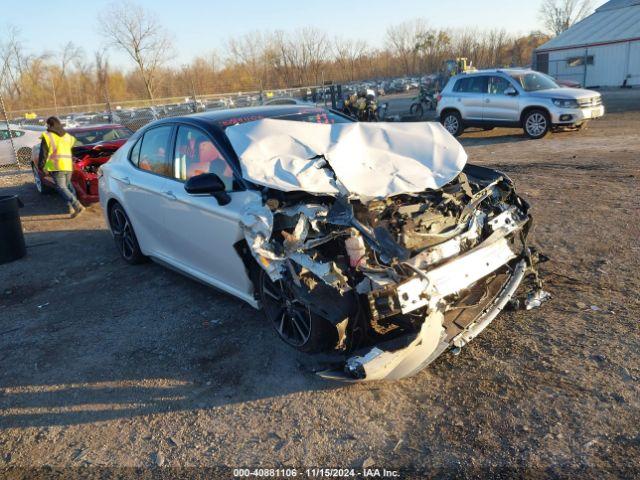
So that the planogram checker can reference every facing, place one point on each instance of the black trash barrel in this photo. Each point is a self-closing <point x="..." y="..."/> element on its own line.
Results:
<point x="12" y="245"/>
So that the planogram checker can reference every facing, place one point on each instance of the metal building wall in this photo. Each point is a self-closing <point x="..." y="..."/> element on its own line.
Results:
<point x="634" y="64"/>
<point x="611" y="64"/>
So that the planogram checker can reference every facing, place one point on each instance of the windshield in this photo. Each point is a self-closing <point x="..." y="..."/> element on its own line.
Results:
<point x="534" y="81"/>
<point x="88" y="137"/>
<point x="310" y="115"/>
<point x="320" y="116"/>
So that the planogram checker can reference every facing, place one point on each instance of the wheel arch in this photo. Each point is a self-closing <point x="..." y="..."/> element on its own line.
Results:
<point x="449" y="110"/>
<point x="534" y="107"/>
<point x="111" y="203"/>
<point x="251" y="265"/>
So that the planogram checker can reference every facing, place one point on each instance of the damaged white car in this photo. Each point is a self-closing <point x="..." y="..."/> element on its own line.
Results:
<point x="376" y="241"/>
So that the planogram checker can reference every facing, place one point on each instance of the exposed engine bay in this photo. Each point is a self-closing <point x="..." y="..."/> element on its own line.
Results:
<point x="86" y="162"/>
<point x="391" y="282"/>
<point x="89" y="158"/>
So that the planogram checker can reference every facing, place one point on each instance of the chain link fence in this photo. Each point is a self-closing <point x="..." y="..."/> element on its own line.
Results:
<point x="20" y="130"/>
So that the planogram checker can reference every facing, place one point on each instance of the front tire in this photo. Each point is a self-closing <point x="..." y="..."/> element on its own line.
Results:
<point x="452" y="122"/>
<point x="124" y="236"/>
<point x="292" y="320"/>
<point x="536" y="124"/>
<point x="416" y="109"/>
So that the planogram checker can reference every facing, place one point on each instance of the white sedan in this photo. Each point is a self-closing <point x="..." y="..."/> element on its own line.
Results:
<point x="24" y="140"/>
<point x="374" y="240"/>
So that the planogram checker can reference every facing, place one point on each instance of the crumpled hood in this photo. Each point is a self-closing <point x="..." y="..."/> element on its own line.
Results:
<point x="367" y="160"/>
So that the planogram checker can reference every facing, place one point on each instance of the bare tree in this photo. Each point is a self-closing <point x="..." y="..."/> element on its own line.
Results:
<point x="403" y="40"/>
<point x="102" y="76"/>
<point x="349" y="53"/>
<point x="12" y="61"/>
<point x="314" y="51"/>
<point x="249" y="51"/>
<point x="69" y="54"/>
<point x="138" y="33"/>
<point x="432" y="47"/>
<point x="558" y="15"/>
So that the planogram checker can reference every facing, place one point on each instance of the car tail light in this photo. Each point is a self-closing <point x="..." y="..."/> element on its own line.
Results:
<point x="438" y="98"/>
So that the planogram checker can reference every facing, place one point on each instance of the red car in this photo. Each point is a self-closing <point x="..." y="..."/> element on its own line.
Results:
<point x="95" y="145"/>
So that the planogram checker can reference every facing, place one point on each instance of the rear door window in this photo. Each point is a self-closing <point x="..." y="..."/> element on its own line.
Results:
<point x="477" y="84"/>
<point x="462" y="85"/>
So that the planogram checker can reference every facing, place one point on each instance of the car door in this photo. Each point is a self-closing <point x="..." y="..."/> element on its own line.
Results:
<point x="469" y="94"/>
<point x="144" y="185"/>
<point x="498" y="106"/>
<point x="202" y="232"/>
<point x="6" y="151"/>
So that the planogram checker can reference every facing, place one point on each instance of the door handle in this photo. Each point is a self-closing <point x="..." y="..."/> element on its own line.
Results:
<point x="124" y="180"/>
<point x="169" y="194"/>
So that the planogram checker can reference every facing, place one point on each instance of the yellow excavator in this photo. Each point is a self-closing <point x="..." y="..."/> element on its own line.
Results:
<point x="459" y="65"/>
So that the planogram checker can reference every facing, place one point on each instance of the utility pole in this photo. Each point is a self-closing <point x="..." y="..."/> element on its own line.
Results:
<point x="55" y="100"/>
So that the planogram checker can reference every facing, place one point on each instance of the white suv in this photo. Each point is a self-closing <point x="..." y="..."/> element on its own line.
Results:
<point x="523" y="99"/>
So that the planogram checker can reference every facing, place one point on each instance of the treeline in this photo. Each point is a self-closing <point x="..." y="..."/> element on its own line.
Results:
<point x="253" y="61"/>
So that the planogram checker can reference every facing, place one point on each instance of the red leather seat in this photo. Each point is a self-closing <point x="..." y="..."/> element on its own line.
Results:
<point x="207" y="153"/>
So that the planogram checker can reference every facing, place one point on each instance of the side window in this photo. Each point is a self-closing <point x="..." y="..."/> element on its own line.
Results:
<point x="478" y="84"/>
<point x="462" y="85"/>
<point x="4" y="134"/>
<point x="196" y="154"/>
<point x="497" y="85"/>
<point x="154" y="152"/>
<point x="134" y="155"/>
<point x="17" y="133"/>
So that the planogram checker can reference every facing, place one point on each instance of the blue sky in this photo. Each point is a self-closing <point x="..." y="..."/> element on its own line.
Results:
<point x="198" y="26"/>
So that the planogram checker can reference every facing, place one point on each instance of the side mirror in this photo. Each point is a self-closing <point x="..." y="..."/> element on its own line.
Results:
<point x="512" y="92"/>
<point x="208" y="184"/>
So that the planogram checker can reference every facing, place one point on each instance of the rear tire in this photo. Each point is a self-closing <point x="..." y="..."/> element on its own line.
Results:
<point x="24" y="156"/>
<point x="124" y="236"/>
<point x="452" y="122"/>
<point x="536" y="124"/>
<point x="292" y="321"/>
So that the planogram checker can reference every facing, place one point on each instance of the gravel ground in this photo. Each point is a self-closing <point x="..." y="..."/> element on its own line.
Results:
<point x="107" y="365"/>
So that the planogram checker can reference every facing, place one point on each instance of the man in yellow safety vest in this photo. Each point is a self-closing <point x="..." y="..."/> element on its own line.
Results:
<point x="55" y="155"/>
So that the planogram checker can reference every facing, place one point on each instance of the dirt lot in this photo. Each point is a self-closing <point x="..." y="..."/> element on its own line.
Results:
<point x="103" y="364"/>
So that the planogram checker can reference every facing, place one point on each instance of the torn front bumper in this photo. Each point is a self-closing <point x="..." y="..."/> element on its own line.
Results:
<point x="397" y="359"/>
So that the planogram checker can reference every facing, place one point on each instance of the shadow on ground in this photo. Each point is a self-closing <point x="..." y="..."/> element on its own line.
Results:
<point x="35" y="204"/>
<point x="73" y="350"/>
